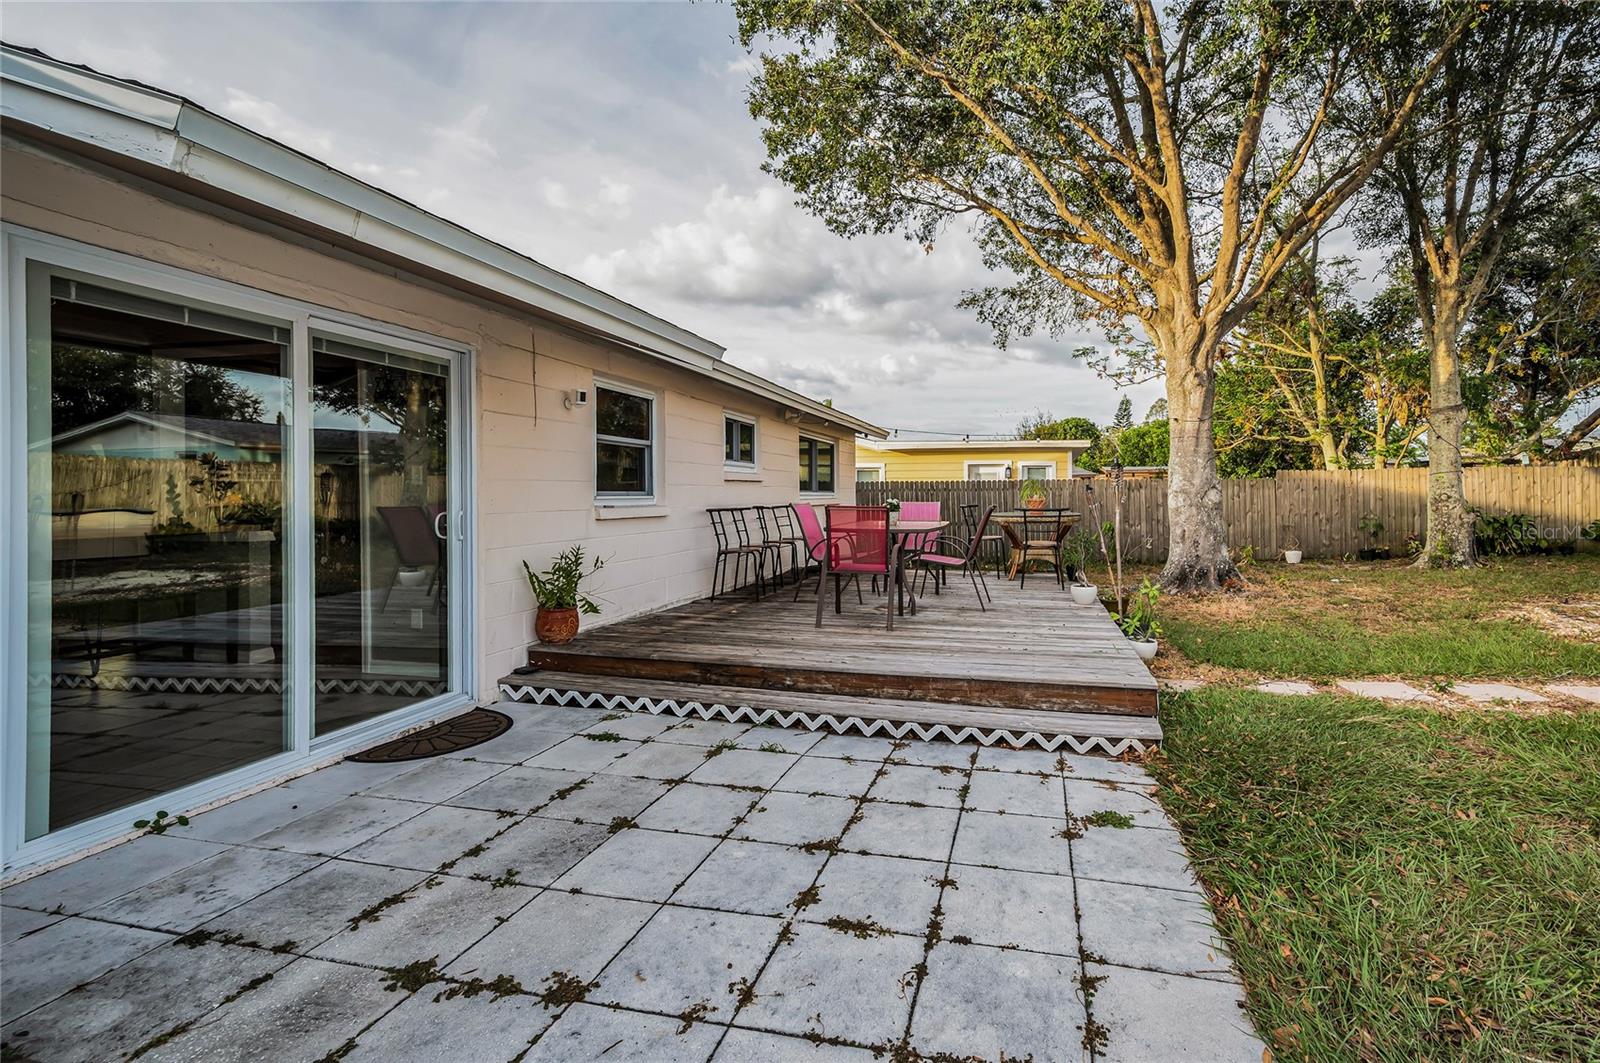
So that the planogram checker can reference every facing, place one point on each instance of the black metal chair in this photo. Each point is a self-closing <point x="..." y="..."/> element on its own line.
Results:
<point x="780" y="533"/>
<point x="732" y="531"/>
<point x="949" y="553"/>
<point x="990" y="541"/>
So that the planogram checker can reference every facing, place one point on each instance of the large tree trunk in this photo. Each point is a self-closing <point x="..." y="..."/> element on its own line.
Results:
<point x="1197" y="540"/>
<point x="1450" y="523"/>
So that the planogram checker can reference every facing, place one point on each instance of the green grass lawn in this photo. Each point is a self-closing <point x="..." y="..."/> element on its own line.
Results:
<point x="1397" y="883"/>
<point x="1337" y="620"/>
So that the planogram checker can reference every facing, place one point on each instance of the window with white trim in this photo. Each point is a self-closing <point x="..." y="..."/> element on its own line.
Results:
<point x="1037" y="470"/>
<point x="739" y="442"/>
<point x="624" y="442"/>
<point x="816" y="465"/>
<point x="869" y="474"/>
<point x="988" y="470"/>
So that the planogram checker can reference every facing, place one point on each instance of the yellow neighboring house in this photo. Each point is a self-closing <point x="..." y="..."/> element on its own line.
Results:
<point x="956" y="459"/>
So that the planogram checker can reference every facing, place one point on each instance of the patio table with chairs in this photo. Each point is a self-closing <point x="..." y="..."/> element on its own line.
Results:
<point x="760" y="548"/>
<point x="1035" y="536"/>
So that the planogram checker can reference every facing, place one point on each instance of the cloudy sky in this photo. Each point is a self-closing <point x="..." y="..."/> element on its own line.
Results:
<point x="611" y="142"/>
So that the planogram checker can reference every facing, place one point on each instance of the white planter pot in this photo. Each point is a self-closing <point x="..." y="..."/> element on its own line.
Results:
<point x="1082" y="595"/>
<point x="412" y="577"/>
<point x="1292" y="556"/>
<point x="1146" y="648"/>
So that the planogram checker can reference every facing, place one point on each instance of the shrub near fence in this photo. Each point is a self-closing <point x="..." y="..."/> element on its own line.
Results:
<point x="1322" y="511"/>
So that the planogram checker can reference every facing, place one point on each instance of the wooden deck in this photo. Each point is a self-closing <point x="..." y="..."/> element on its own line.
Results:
<point x="1034" y="669"/>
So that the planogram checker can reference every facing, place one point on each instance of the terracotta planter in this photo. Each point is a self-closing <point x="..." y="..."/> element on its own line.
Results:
<point x="1035" y="503"/>
<point x="555" y="626"/>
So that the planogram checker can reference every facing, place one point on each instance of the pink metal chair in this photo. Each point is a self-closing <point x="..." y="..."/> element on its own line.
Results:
<point x="913" y="545"/>
<point x="811" y="529"/>
<point x="858" y="543"/>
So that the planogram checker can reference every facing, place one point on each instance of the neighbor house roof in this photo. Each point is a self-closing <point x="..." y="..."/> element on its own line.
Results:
<point x="257" y="435"/>
<point x="174" y="141"/>
<point x="975" y="444"/>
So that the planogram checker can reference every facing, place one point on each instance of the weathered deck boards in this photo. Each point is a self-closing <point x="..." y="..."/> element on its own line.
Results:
<point x="1032" y="651"/>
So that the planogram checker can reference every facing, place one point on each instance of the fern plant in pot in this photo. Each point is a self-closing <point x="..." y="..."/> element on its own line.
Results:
<point x="560" y="601"/>
<point x="1139" y="624"/>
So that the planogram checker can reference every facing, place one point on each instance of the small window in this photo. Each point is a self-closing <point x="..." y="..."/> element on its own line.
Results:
<point x="738" y="441"/>
<point x="988" y="470"/>
<point x="1041" y="470"/>
<point x="816" y="465"/>
<point x="624" y="460"/>
<point x="869" y="474"/>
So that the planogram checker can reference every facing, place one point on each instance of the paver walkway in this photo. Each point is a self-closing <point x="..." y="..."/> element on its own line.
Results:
<point x="640" y="888"/>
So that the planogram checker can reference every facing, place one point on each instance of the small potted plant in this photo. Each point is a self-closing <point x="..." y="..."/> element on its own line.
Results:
<point x="892" y="505"/>
<point x="1370" y="524"/>
<point x="1139" y="622"/>
<point x="1077" y="550"/>
<point x="1291" y="550"/>
<point x="556" y="590"/>
<point x="1032" y="494"/>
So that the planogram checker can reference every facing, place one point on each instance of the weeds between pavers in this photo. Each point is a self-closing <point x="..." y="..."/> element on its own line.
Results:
<point x="419" y="974"/>
<point x="562" y="989"/>
<point x="743" y="992"/>
<point x="692" y="1014"/>
<point x="373" y="912"/>
<point x="861" y="928"/>
<point x="506" y="878"/>
<point x="604" y="736"/>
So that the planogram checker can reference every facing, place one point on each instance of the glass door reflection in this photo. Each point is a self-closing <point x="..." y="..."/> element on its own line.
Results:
<point x="157" y="434"/>
<point x="381" y="460"/>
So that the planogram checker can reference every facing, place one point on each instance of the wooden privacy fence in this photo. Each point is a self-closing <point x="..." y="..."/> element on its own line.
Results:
<point x="167" y="486"/>
<point x="1322" y="511"/>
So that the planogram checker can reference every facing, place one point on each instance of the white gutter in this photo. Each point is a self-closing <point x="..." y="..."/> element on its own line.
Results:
<point x="885" y="445"/>
<point x="159" y="129"/>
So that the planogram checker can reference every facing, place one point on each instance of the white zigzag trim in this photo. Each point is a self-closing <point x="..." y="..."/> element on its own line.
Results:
<point x="822" y="721"/>
<point x="170" y="684"/>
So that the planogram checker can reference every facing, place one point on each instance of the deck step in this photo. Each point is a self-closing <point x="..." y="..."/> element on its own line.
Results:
<point x="841" y="714"/>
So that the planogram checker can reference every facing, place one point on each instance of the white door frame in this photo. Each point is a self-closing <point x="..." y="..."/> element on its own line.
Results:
<point x="20" y="246"/>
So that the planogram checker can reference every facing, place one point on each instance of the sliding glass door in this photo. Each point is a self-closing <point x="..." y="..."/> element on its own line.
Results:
<point x="243" y="538"/>
<point x="381" y="442"/>
<point x="157" y="434"/>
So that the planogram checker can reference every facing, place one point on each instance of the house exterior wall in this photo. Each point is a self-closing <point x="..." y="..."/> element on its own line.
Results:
<point x="534" y="487"/>
<point x="951" y="463"/>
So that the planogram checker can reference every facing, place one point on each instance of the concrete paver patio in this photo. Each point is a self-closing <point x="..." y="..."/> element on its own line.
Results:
<point x="634" y="888"/>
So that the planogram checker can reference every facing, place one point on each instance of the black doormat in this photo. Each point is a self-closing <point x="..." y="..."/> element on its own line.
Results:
<point x="457" y="733"/>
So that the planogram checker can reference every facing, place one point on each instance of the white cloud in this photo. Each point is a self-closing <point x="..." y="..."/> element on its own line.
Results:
<point x="467" y="138"/>
<point x="555" y="194"/>
<point x="615" y="194"/>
